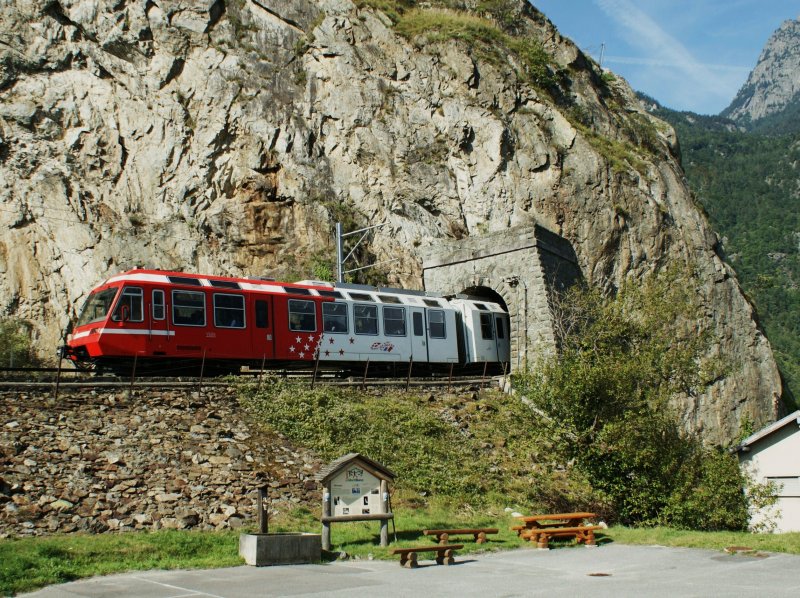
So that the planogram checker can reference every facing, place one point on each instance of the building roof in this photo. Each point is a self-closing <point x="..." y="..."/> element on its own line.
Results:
<point x="764" y="432"/>
<point x="334" y="466"/>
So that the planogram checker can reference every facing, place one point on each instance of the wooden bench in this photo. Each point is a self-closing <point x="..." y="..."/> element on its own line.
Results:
<point x="518" y="528"/>
<point x="582" y="533"/>
<point x="443" y="535"/>
<point x="444" y="554"/>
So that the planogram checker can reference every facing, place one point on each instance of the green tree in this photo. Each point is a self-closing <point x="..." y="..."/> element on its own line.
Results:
<point x="622" y="362"/>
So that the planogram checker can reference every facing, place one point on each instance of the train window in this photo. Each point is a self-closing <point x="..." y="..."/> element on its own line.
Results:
<point x="436" y="323"/>
<point x="431" y="303"/>
<point x="184" y="280"/>
<point x="487" y="332"/>
<point x="188" y="308"/>
<point x="394" y="321"/>
<point x="361" y="297"/>
<point x="366" y="319"/>
<point x="302" y="316"/>
<point x="295" y="291"/>
<point x="96" y="306"/>
<point x="130" y="307"/>
<point x="331" y="294"/>
<point x="158" y="305"/>
<point x="224" y="284"/>
<point x="228" y="311"/>
<point x="419" y="328"/>
<point x="500" y="329"/>
<point x="262" y="314"/>
<point x="334" y="317"/>
<point x="389" y="299"/>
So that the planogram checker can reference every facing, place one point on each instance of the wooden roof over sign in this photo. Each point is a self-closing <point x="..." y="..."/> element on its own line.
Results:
<point x="375" y="468"/>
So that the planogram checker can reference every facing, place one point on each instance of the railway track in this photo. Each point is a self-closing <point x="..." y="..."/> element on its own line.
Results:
<point x="44" y="378"/>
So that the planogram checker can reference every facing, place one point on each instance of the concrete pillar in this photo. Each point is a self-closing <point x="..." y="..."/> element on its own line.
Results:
<point x="326" y="512"/>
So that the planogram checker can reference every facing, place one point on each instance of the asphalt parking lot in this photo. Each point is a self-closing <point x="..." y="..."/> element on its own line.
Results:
<point x="608" y="570"/>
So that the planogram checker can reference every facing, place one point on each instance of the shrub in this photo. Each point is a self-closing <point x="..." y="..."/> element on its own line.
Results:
<point x="622" y="361"/>
<point x="15" y="344"/>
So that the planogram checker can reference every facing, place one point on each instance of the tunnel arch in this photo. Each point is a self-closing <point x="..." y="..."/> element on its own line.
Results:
<point x="487" y="293"/>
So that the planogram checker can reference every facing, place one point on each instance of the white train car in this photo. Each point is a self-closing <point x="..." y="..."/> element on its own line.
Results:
<point x="394" y="325"/>
<point x="485" y="331"/>
<point x="386" y="325"/>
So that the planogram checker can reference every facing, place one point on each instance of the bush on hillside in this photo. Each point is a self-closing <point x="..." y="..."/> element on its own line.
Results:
<point x="15" y="344"/>
<point x="481" y="449"/>
<point x="611" y="389"/>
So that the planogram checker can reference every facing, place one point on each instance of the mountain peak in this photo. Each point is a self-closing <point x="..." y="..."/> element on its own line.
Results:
<point x="774" y="84"/>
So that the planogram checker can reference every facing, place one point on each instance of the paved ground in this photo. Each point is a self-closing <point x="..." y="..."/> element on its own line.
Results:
<point x="610" y="570"/>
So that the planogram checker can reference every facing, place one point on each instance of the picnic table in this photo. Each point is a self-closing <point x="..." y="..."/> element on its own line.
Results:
<point x="540" y="528"/>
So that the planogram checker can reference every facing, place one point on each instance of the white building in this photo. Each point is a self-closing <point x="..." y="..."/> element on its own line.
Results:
<point x="773" y="455"/>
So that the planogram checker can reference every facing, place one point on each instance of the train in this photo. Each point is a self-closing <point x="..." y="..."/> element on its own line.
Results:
<point x="174" y="323"/>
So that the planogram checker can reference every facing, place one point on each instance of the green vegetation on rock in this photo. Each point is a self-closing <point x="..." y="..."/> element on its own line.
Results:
<point x="748" y="184"/>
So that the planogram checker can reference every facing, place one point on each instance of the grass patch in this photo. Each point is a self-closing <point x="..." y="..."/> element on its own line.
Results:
<point x="477" y="449"/>
<point x="30" y="563"/>
<point x="482" y="36"/>
<point x="622" y="156"/>
<point x="664" y="536"/>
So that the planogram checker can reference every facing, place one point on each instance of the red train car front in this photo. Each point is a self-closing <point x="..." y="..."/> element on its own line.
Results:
<point x="173" y="323"/>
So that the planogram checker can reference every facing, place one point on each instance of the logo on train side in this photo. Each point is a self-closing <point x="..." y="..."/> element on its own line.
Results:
<point x="387" y="347"/>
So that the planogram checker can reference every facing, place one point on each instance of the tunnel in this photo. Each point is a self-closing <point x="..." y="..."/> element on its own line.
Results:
<point x="482" y="292"/>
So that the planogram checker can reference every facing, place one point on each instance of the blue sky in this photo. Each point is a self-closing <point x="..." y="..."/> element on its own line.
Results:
<point x="687" y="54"/>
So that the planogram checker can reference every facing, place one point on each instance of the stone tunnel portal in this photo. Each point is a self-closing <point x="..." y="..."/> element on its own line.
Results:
<point x="517" y="268"/>
<point x="485" y="293"/>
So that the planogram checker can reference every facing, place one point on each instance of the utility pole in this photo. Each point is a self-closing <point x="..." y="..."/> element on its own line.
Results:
<point x="602" y="51"/>
<point x="340" y="271"/>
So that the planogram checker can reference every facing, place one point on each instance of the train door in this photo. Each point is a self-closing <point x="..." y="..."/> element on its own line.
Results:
<point x="160" y="334"/>
<point x="502" y="337"/>
<point x="419" y="338"/>
<point x="263" y="330"/>
<point x="488" y="339"/>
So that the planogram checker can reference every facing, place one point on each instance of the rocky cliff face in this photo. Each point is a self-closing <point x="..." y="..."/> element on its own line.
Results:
<point x="226" y="137"/>
<point x="775" y="82"/>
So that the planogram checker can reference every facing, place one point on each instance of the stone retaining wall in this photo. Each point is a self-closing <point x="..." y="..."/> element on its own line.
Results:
<point x="96" y="462"/>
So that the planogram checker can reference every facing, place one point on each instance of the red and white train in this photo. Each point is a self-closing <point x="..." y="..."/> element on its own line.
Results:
<point x="171" y="322"/>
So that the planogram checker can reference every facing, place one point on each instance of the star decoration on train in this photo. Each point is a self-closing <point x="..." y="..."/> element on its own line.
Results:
<point x="298" y="340"/>
<point x="352" y="340"/>
<point x="341" y="351"/>
<point x="327" y="353"/>
<point x="330" y="340"/>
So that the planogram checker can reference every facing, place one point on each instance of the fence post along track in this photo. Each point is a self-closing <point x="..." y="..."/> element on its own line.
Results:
<point x="133" y="374"/>
<point x="58" y="375"/>
<point x="202" y="371"/>
<point x="364" y="381"/>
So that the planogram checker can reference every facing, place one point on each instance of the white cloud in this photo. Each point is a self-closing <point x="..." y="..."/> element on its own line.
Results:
<point x="738" y="70"/>
<point x="660" y="49"/>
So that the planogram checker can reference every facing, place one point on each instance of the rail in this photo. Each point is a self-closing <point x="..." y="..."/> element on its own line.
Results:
<point x="43" y="378"/>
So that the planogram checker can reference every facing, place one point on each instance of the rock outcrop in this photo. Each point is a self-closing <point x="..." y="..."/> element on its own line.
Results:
<point x="774" y="84"/>
<point x="226" y="137"/>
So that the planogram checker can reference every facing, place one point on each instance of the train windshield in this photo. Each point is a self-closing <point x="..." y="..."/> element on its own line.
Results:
<point x="96" y="307"/>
